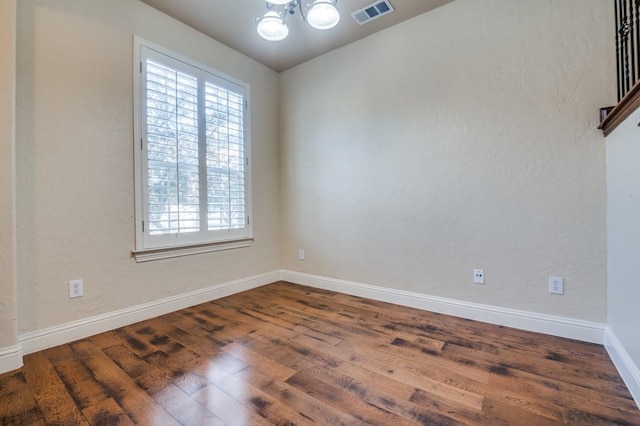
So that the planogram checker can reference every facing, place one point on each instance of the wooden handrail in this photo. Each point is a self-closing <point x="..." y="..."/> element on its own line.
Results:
<point x="620" y="112"/>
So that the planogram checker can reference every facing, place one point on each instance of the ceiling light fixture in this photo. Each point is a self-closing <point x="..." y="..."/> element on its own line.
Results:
<point x="321" y="14"/>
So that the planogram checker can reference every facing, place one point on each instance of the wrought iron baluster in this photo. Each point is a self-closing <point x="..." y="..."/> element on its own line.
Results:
<point x="625" y="29"/>
<point x="632" y="45"/>
<point x="627" y="21"/>
<point x="636" y="27"/>
<point x="618" y="48"/>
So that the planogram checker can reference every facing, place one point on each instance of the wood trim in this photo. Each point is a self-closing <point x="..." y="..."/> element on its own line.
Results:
<point x="622" y="111"/>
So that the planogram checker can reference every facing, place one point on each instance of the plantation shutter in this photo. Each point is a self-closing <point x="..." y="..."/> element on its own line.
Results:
<point x="172" y="150"/>
<point x="195" y="165"/>
<point x="225" y="158"/>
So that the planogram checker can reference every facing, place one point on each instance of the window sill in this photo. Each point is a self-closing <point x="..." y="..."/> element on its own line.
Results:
<point x="146" y="255"/>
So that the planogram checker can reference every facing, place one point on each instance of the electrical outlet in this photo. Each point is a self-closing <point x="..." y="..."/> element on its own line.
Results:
<point x="478" y="276"/>
<point x="300" y="254"/>
<point x="556" y="285"/>
<point x="75" y="289"/>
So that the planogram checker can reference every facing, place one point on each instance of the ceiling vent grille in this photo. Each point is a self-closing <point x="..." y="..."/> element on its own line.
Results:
<point x="372" y="11"/>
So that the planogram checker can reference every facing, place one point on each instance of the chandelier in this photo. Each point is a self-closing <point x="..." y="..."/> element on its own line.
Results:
<point x="321" y="14"/>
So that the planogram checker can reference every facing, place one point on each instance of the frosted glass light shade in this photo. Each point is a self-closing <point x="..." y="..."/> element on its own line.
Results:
<point x="279" y="2"/>
<point x="323" y="15"/>
<point x="271" y="27"/>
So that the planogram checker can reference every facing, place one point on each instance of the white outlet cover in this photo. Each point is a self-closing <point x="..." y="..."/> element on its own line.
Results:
<point x="76" y="289"/>
<point x="556" y="285"/>
<point x="478" y="276"/>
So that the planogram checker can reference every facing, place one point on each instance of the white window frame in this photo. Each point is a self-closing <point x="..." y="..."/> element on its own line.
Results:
<point x="152" y="247"/>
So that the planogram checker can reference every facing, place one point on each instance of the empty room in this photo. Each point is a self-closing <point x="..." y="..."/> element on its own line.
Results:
<point x="249" y="212"/>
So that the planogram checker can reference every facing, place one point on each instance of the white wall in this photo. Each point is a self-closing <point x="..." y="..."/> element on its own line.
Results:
<point x="623" y="238"/>
<point x="9" y="352"/>
<point x="466" y="137"/>
<point x="75" y="161"/>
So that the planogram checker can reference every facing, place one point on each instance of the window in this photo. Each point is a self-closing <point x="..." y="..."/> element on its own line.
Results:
<point x="192" y="157"/>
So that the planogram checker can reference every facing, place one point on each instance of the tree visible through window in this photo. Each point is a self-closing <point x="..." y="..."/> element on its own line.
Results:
<point x="193" y="160"/>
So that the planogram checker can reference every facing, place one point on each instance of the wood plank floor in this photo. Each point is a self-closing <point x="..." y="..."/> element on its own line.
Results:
<point x="291" y="355"/>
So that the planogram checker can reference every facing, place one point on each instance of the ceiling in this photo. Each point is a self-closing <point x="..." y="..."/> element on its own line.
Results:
<point x="233" y="22"/>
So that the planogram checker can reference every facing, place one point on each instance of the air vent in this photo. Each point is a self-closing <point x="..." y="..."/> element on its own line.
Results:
<point x="372" y="11"/>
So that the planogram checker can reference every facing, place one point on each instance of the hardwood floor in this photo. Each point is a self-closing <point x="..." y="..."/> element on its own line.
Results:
<point x="286" y="354"/>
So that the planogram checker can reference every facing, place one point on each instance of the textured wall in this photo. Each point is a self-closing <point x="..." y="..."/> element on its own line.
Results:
<point x="8" y="326"/>
<point x="466" y="137"/>
<point x="623" y="234"/>
<point x="75" y="161"/>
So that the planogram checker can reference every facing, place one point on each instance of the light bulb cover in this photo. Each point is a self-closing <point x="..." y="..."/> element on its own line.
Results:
<point x="271" y="27"/>
<point x="323" y="15"/>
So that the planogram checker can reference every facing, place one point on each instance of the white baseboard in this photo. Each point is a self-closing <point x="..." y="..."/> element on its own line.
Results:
<point x="548" y="324"/>
<point x="65" y="333"/>
<point x="10" y="358"/>
<point x="628" y="370"/>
